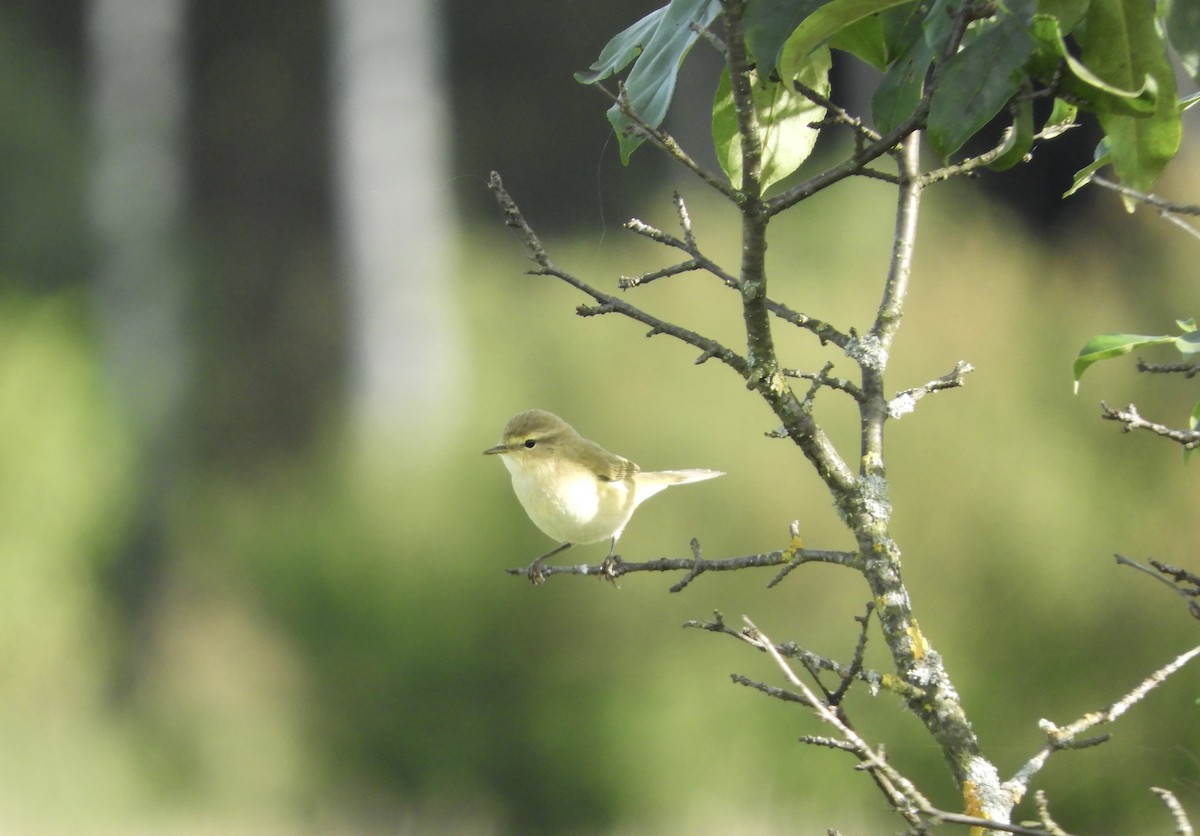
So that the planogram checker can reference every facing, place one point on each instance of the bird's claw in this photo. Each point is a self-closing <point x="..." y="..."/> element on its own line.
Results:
<point x="535" y="574"/>
<point x="609" y="568"/>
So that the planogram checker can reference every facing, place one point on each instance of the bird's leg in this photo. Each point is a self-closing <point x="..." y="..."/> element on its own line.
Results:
<point x="608" y="569"/>
<point x="534" y="570"/>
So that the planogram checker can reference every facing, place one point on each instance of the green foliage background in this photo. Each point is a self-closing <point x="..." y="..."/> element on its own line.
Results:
<point x="337" y="647"/>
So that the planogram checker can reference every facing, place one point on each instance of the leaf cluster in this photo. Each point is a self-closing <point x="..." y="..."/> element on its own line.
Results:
<point x="1106" y="57"/>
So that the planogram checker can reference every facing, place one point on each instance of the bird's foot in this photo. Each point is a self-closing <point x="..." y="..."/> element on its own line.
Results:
<point x="534" y="572"/>
<point x="610" y="568"/>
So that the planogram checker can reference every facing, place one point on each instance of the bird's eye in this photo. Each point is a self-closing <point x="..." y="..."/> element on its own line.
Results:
<point x="530" y="443"/>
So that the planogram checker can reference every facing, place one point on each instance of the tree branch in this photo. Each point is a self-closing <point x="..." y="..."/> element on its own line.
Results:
<point x="697" y="565"/>
<point x="907" y="799"/>
<point x="1132" y="420"/>
<point x="1183" y="583"/>
<point x="1068" y="737"/>
<point x="666" y="143"/>
<point x="607" y="304"/>
<point x="906" y="401"/>
<point x="1183" y="827"/>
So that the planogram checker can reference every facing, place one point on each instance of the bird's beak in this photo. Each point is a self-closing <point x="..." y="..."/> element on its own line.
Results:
<point x="492" y="451"/>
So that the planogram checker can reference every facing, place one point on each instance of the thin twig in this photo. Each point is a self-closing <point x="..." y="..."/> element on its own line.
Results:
<point x="1183" y="827"/>
<point x="905" y="790"/>
<point x="1131" y="420"/>
<point x="1148" y="199"/>
<point x="695" y="567"/>
<point x="1188" y="370"/>
<point x="607" y="304"/>
<point x="662" y="140"/>
<point x="1070" y="736"/>
<point x="1169" y="210"/>
<point x="1186" y="585"/>
<point x="887" y="143"/>
<point x="904" y="402"/>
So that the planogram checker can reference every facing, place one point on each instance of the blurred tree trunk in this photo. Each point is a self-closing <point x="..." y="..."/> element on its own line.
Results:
<point x="394" y="213"/>
<point x="136" y="111"/>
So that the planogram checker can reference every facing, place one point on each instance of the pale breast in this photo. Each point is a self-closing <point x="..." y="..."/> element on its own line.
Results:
<point x="573" y="506"/>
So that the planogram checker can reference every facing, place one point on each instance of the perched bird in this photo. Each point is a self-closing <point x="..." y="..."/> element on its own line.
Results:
<point x="573" y="489"/>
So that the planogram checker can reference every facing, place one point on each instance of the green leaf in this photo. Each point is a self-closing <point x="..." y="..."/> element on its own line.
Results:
<point x="1084" y="175"/>
<point x="899" y="92"/>
<point x="1194" y="422"/>
<point x="937" y="23"/>
<point x="902" y="25"/>
<point x="1188" y="343"/>
<point x="783" y="116"/>
<point x="1107" y="346"/>
<point x="864" y="39"/>
<point x="767" y="25"/>
<point x="1121" y="44"/>
<point x="978" y="81"/>
<point x="623" y="48"/>
<point x="830" y="19"/>
<point x="1052" y="56"/>
<point x="1018" y="138"/>
<point x="1181" y="18"/>
<point x="1062" y="117"/>
<point x="1186" y="325"/>
<point x="1068" y="13"/>
<point x="660" y="41"/>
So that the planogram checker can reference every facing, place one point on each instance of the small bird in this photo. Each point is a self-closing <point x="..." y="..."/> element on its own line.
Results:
<point x="573" y="489"/>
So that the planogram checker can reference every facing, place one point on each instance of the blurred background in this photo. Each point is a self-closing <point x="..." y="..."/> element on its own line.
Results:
<point x="259" y="316"/>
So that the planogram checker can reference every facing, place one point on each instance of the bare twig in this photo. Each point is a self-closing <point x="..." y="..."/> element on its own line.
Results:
<point x="814" y="663"/>
<point x="1148" y="199"/>
<point x="1070" y="737"/>
<point x="1044" y="818"/>
<point x="908" y="800"/>
<point x="662" y="140"/>
<point x="856" y="662"/>
<point x="1169" y="210"/>
<point x="841" y="384"/>
<point x="695" y="566"/>
<point x="607" y="304"/>
<point x="1132" y="420"/>
<point x="1183" y="827"/>
<point x="1188" y="370"/>
<point x="1185" y="584"/>
<point x="904" y="402"/>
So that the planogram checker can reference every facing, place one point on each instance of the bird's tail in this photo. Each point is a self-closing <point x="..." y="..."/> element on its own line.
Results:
<point x="680" y="477"/>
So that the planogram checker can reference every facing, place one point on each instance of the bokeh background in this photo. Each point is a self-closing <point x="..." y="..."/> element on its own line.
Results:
<point x="258" y="318"/>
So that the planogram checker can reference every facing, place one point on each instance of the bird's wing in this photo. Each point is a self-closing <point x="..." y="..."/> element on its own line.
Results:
<point x="609" y="466"/>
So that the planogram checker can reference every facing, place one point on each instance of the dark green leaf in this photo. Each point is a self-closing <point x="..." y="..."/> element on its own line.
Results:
<point x="901" y="26"/>
<point x="1068" y="13"/>
<point x="1018" y="138"/>
<point x="977" y="82"/>
<point x="937" y="23"/>
<point x="767" y="25"/>
<point x="898" y="93"/>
